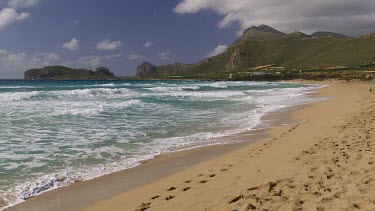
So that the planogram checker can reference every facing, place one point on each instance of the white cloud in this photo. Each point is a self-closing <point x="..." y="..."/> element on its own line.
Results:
<point x="93" y="61"/>
<point x="164" y="55"/>
<point x="108" y="44"/>
<point x="218" y="50"/>
<point x="90" y="61"/>
<point x="148" y="44"/>
<point x="13" y="65"/>
<point x="9" y="16"/>
<point x="135" y="57"/>
<point x="113" y="56"/>
<point x="71" y="45"/>
<point x="22" y="3"/>
<point x="343" y="16"/>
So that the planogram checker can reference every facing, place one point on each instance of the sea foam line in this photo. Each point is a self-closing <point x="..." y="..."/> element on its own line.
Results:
<point x="64" y="178"/>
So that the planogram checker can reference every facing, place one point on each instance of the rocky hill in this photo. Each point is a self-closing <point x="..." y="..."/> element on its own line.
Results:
<point x="262" y="45"/>
<point x="147" y="69"/>
<point x="65" y="73"/>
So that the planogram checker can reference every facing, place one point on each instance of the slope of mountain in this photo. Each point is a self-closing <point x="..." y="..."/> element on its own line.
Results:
<point x="147" y="69"/>
<point x="65" y="73"/>
<point x="262" y="32"/>
<point x="264" y="45"/>
<point x="327" y="34"/>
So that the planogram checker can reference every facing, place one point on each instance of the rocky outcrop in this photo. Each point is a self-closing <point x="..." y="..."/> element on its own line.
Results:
<point x="368" y="36"/>
<point x="145" y="69"/>
<point x="65" y="73"/>
<point x="237" y="58"/>
<point x="104" y="71"/>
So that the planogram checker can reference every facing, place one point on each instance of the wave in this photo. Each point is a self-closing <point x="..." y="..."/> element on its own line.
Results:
<point x="96" y="108"/>
<point x="77" y="93"/>
<point x="37" y="186"/>
<point x="108" y="106"/>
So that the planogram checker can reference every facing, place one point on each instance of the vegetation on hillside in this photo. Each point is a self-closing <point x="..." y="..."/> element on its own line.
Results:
<point x="297" y="55"/>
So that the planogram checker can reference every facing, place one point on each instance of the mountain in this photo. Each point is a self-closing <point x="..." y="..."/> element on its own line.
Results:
<point x="65" y="73"/>
<point x="327" y="34"/>
<point x="147" y="69"/>
<point x="264" y="46"/>
<point x="297" y="34"/>
<point x="262" y="32"/>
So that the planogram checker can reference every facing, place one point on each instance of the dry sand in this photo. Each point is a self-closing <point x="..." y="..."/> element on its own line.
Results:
<point x="322" y="162"/>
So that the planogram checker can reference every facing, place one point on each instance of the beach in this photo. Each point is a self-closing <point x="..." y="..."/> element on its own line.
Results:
<point x="323" y="161"/>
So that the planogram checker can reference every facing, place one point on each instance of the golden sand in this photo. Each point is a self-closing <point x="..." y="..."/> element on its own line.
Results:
<point x="323" y="162"/>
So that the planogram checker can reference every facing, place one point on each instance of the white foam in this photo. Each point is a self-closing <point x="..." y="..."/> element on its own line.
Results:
<point x="86" y="128"/>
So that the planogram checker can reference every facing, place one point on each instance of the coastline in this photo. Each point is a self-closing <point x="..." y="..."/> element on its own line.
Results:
<point x="166" y="164"/>
<point x="211" y="155"/>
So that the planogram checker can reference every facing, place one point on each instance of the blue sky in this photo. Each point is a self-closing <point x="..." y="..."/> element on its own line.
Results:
<point x="126" y="24"/>
<point x="114" y="33"/>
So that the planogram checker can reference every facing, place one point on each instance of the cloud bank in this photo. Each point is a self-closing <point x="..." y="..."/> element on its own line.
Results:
<point x="14" y="64"/>
<point x="345" y="16"/>
<point x="9" y="16"/>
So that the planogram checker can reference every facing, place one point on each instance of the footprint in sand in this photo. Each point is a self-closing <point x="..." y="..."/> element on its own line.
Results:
<point x="186" y="189"/>
<point x="235" y="199"/>
<point x="171" y="188"/>
<point x="169" y="198"/>
<point x="144" y="206"/>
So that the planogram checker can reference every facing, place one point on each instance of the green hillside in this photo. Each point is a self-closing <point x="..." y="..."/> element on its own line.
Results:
<point x="263" y="45"/>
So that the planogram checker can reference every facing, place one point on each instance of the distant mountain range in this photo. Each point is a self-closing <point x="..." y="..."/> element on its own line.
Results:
<point x="65" y="73"/>
<point x="263" y="45"/>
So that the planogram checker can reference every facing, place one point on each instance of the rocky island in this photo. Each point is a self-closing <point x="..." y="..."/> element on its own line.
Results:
<point x="66" y="73"/>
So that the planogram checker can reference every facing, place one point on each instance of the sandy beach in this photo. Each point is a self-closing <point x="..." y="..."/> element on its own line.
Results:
<point x="324" y="161"/>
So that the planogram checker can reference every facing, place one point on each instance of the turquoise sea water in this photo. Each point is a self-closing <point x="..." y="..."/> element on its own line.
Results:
<point x="55" y="132"/>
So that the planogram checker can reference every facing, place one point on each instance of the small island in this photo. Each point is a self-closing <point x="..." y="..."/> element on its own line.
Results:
<point x="66" y="73"/>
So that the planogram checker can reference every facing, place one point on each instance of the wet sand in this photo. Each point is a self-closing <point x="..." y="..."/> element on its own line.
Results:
<point x="324" y="161"/>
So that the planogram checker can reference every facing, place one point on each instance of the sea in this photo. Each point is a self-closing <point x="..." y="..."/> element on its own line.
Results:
<point x="55" y="133"/>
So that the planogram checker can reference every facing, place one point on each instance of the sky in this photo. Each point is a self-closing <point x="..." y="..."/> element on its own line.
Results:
<point x="121" y="34"/>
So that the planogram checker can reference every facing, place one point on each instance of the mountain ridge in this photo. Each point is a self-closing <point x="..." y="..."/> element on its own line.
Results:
<point x="264" y="45"/>
<point x="65" y="73"/>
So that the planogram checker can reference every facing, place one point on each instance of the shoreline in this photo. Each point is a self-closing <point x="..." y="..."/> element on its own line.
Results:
<point x="139" y="196"/>
<point x="270" y="120"/>
<point x="302" y="166"/>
